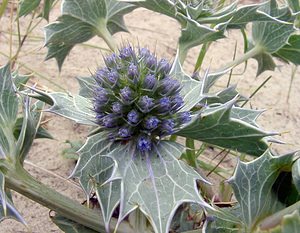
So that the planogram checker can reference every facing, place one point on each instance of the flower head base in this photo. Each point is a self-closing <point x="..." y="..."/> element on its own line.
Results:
<point x="137" y="99"/>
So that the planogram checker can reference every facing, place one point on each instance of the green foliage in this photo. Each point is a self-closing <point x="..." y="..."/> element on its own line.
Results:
<point x="158" y="184"/>
<point x="11" y="149"/>
<point x="27" y="6"/>
<point x="82" y="20"/>
<point x="9" y="110"/>
<point x="7" y="209"/>
<point x="137" y="181"/>
<point x="258" y="189"/>
<point x="228" y="127"/>
<point x="291" y="51"/>
<point x="273" y="34"/>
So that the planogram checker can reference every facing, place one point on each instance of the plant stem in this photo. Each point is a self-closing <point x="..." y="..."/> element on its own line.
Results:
<point x="106" y="36"/>
<point x="20" y="180"/>
<point x="201" y="56"/>
<point x="257" y="89"/>
<point x="190" y="152"/>
<point x="251" y="53"/>
<point x="275" y="219"/>
<point x="173" y="138"/>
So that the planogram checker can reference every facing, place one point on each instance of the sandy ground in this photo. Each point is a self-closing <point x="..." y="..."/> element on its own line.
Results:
<point x="159" y="33"/>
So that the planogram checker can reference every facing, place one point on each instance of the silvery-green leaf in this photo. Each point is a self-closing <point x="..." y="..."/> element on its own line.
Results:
<point x="252" y="184"/>
<point x="191" y="88"/>
<point x="216" y="125"/>
<point x="93" y="162"/>
<point x="41" y="132"/>
<point x="27" y="6"/>
<point x="296" y="174"/>
<point x="87" y="86"/>
<point x="93" y="169"/>
<point x="46" y="9"/>
<point x="272" y="35"/>
<point x="32" y="116"/>
<point x="247" y="115"/>
<point x="194" y="34"/>
<point x="69" y="226"/>
<point x="291" y="51"/>
<point x="73" y="107"/>
<point x="294" y="4"/>
<point x="211" y="78"/>
<point x="8" y="111"/>
<point x="109" y="196"/>
<point x="59" y="45"/>
<point x="248" y="13"/>
<point x="223" y="96"/>
<point x="156" y="182"/>
<point x="265" y="62"/>
<point x="7" y="209"/>
<point x="206" y="13"/>
<point x="224" y="220"/>
<point x="19" y="80"/>
<point x="82" y="20"/>
<point x="166" y="7"/>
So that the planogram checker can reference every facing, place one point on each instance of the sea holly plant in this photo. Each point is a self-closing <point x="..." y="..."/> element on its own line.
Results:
<point x="136" y="174"/>
<point x="135" y="103"/>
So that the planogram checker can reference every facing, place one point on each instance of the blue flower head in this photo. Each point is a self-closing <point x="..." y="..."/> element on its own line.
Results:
<point x="137" y="99"/>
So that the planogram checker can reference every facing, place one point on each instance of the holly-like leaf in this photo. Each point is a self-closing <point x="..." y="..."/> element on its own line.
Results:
<point x="19" y="80"/>
<point x="247" y="115"/>
<point x="69" y="226"/>
<point x="46" y="9"/>
<point x="191" y="88"/>
<point x="93" y="169"/>
<point x="74" y="107"/>
<point x="218" y="126"/>
<point x="32" y="116"/>
<point x="258" y="188"/>
<point x="8" y="111"/>
<point x="166" y="7"/>
<point x="291" y="51"/>
<point x="224" y="220"/>
<point x="246" y="14"/>
<point x="82" y="20"/>
<point x="7" y="209"/>
<point x="41" y="132"/>
<point x="194" y="34"/>
<point x="265" y="62"/>
<point x="272" y="35"/>
<point x="252" y="184"/>
<point x="156" y="183"/>
<point x="87" y="86"/>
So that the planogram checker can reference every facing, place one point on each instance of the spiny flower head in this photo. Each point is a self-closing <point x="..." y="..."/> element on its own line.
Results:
<point x="137" y="99"/>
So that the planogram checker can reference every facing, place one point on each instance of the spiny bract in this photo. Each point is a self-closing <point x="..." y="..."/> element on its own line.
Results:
<point x="136" y="98"/>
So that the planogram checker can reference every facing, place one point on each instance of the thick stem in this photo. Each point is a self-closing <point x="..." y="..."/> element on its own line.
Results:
<point x="106" y="36"/>
<point x="21" y="181"/>
<point x="275" y="219"/>
<point x="190" y="152"/>
<point x="251" y="53"/>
